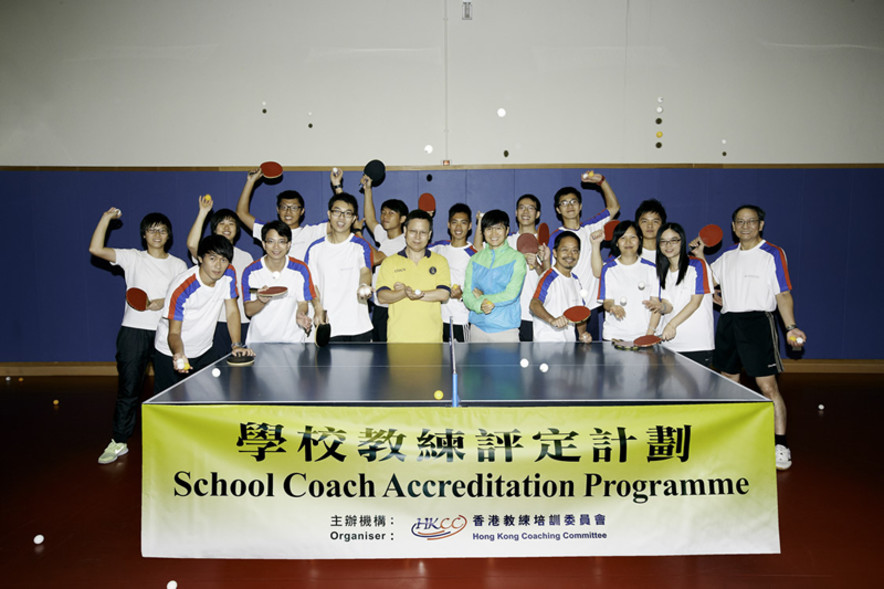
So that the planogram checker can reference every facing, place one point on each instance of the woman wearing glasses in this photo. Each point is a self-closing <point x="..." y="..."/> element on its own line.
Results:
<point x="686" y="295"/>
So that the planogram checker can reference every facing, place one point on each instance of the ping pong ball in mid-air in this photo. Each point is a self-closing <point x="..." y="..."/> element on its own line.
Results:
<point x="172" y="585"/>
<point x="821" y="407"/>
<point x="38" y="539"/>
<point x="438" y="395"/>
<point x="524" y="363"/>
<point x="544" y="367"/>
<point x="622" y="301"/>
<point x="216" y="372"/>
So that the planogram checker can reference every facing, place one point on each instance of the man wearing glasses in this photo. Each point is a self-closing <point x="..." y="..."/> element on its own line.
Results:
<point x="569" y="208"/>
<point x="280" y="318"/>
<point x="289" y="209"/>
<point x="754" y="282"/>
<point x="340" y="264"/>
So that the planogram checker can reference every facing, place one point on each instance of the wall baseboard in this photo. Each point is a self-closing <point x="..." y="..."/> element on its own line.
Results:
<point x="17" y="369"/>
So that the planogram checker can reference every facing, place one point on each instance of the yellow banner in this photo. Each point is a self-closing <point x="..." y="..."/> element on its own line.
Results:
<point x="234" y="481"/>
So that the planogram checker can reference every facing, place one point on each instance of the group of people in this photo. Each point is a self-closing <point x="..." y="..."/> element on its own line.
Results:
<point x="398" y="285"/>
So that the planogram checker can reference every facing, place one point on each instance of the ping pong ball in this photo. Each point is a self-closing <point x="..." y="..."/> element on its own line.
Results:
<point x="438" y="395"/>
<point x="524" y="363"/>
<point x="216" y="372"/>
<point x="172" y="585"/>
<point x="38" y="539"/>
<point x="799" y="340"/>
<point x="428" y="148"/>
<point x="544" y="367"/>
<point x="418" y="292"/>
<point x="55" y="402"/>
<point x="821" y="407"/>
<point x="335" y="170"/>
<point x="622" y="300"/>
<point x="501" y="112"/>
<point x="641" y="285"/>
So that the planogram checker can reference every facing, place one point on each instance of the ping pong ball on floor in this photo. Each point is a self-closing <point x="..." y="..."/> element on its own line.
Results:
<point x="216" y="372"/>
<point x="524" y="363"/>
<point x="438" y="395"/>
<point x="544" y="367"/>
<point x="38" y="539"/>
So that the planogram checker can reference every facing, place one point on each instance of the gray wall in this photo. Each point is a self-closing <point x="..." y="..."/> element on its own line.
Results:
<point x="184" y="83"/>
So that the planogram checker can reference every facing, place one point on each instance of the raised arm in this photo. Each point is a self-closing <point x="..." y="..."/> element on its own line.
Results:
<point x="97" y="246"/>
<point x="371" y="217"/>
<point x="611" y="202"/>
<point x="196" y="230"/>
<point x="245" y="197"/>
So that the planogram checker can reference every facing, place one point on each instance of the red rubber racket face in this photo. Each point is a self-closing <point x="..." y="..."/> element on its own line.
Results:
<point x="271" y="170"/>
<point x="646" y="341"/>
<point x="609" y="229"/>
<point x="274" y="291"/>
<point x="137" y="299"/>
<point x="577" y="314"/>
<point x="543" y="234"/>
<point x="527" y="244"/>
<point x="427" y="203"/>
<point x="711" y="235"/>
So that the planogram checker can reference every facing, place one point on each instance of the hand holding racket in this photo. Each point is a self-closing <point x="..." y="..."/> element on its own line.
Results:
<point x="669" y="332"/>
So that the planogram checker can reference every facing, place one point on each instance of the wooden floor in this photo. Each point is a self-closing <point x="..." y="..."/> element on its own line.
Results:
<point x="831" y="509"/>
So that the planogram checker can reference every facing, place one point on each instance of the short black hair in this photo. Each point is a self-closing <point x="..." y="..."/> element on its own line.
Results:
<point x="758" y="211"/>
<point x="621" y="228"/>
<point x="651" y="205"/>
<point x="396" y="205"/>
<point x="152" y="220"/>
<point x="460" y="207"/>
<point x="532" y="198"/>
<point x="215" y="244"/>
<point x="289" y="195"/>
<point x="562" y="236"/>
<point x="345" y="197"/>
<point x="419" y="214"/>
<point x="567" y="190"/>
<point x="278" y="226"/>
<point x="221" y="215"/>
<point x="495" y="217"/>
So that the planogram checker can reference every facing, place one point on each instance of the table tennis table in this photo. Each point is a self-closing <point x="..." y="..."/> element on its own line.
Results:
<point x="533" y="449"/>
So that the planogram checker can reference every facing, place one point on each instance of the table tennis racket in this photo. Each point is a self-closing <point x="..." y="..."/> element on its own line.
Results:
<point x="646" y="341"/>
<point x="527" y="244"/>
<point x="577" y="314"/>
<point x="240" y="360"/>
<point x="609" y="229"/>
<point x="376" y="170"/>
<point x="543" y="234"/>
<point x="137" y="299"/>
<point x="273" y="291"/>
<point x="271" y="170"/>
<point x="711" y="235"/>
<point x="323" y="332"/>
<point x="427" y="203"/>
<point x="628" y="345"/>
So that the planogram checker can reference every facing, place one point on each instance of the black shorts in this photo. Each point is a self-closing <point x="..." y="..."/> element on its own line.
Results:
<point x="749" y="341"/>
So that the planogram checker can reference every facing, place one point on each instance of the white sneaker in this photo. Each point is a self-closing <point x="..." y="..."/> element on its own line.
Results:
<point x="784" y="457"/>
<point x="112" y="452"/>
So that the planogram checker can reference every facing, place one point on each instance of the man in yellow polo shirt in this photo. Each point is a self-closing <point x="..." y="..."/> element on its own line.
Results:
<point x="414" y="283"/>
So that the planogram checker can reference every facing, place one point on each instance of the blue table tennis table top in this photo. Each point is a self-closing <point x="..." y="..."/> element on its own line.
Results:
<point x="486" y="375"/>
